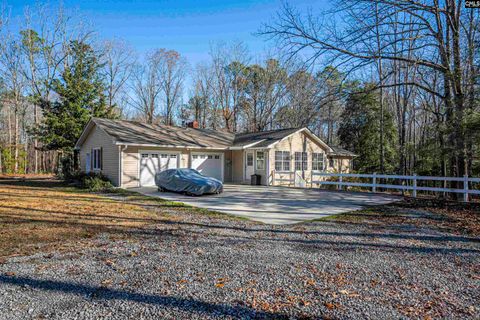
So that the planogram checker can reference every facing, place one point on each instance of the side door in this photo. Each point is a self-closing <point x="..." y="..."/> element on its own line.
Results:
<point x="249" y="165"/>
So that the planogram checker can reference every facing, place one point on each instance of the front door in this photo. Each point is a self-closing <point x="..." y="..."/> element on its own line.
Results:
<point x="249" y="169"/>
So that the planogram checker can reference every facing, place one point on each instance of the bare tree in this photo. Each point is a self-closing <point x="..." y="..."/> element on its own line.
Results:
<point x="203" y="97"/>
<point x="119" y="61"/>
<point x="439" y="31"/>
<point x="146" y="88"/>
<point x="45" y="41"/>
<point x="171" y="70"/>
<point x="228" y="66"/>
<point x="12" y="64"/>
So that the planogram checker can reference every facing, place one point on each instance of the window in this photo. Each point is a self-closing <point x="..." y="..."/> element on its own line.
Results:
<point x="282" y="161"/>
<point x="318" y="161"/>
<point x="144" y="155"/>
<point x="331" y="163"/>
<point x="88" y="163"/>
<point x="97" y="159"/>
<point x="173" y="156"/>
<point x="250" y="159"/>
<point x="195" y="156"/>
<point x="217" y="156"/>
<point x="210" y="156"/>
<point x="164" y="156"/>
<point x="301" y="161"/>
<point x="154" y="155"/>
<point x="260" y="160"/>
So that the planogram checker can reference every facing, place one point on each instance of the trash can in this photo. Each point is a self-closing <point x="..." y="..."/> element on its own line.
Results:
<point x="255" y="179"/>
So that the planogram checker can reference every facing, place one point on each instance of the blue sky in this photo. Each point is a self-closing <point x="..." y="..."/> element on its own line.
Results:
<point x="187" y="26"/>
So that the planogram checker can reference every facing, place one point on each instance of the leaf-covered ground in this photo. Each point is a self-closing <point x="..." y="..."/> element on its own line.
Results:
<point x="78" y="255"/>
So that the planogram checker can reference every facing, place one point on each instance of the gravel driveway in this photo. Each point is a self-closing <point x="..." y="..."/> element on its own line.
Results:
<point x="202" y="267"/>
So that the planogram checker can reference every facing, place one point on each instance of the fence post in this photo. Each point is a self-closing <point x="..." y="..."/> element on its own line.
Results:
<point x="311" y="179"/>
<point x="465" y="188"/>
<point x="339" y="186"/>
<point x="273" y="177"/>
<point x="374" y="182"/>
<point x="414" y="193"/>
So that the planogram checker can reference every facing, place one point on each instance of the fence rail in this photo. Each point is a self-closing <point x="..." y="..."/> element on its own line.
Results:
<point x="409" y="183"/>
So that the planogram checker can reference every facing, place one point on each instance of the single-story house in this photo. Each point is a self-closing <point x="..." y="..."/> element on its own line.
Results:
<point x="129" y="153"/>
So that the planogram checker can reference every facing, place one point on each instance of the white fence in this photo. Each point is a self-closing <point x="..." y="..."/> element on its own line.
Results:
<point x="409" y="183"/>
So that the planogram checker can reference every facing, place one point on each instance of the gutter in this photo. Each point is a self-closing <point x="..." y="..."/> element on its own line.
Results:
<point x="169" y="146"/>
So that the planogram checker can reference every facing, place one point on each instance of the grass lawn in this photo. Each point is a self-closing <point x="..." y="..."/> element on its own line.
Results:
<point x="42" y="213"/>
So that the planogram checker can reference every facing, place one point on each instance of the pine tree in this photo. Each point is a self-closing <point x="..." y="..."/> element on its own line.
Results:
<point x="360" y="131"/>
<point x="80" y="96"/>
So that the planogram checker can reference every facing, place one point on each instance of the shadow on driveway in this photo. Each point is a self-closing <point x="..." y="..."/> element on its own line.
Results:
<point x="277" y="205"/>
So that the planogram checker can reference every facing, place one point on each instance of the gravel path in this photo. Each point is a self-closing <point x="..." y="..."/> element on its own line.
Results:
<point x="201" y="267"/>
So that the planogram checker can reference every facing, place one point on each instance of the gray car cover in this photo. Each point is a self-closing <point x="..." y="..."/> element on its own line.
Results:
<point x="187" y="181"/>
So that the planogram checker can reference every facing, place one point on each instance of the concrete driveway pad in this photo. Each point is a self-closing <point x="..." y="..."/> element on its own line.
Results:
<point x="276" y="205"/>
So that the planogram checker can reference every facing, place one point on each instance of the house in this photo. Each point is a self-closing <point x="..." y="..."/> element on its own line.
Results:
<point x="129" y="153"/>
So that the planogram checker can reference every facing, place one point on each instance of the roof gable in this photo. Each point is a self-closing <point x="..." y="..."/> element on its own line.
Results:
<point x="307" y="132"/>
<point x="263" y="138"/>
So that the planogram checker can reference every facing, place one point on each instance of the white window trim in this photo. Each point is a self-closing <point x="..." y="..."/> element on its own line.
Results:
<point x="94" y="164"/>
<point x="302" y="161"/>
<point x="283" y="161"/>
<point x="253" y="159"/>
<point x="324" y="160"/>
<point x="256" y="161"/>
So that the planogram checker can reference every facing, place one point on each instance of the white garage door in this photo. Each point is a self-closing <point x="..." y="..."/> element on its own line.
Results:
<point x="208" y="164"/>
<point x="153" y="162"/>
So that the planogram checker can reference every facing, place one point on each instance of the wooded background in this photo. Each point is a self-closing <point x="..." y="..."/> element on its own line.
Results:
<point x="396" y="82"/>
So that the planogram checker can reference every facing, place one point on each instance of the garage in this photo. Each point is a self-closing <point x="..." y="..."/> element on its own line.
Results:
<point x="153" y="162"/>
<point x="208" y="164"/>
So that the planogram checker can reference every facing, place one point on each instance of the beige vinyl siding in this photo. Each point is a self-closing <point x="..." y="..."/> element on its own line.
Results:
<point x="228" y="169"/>
<point x="341" y="165"/>
<point x="238" y="157"/>
<point x="297" y="142"/>
<point x="97" y="138"/>
<point x="131" y="161"/>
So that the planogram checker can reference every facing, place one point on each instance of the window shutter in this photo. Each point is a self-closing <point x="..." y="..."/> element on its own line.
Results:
<point x="92" y="160"/>
<point x="101" y="158"/>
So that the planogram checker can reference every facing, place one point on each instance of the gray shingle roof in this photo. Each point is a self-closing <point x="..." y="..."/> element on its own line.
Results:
<point x="133" y="132"/>
<point x="263" y="139"/>
<point x="337" y="151"/>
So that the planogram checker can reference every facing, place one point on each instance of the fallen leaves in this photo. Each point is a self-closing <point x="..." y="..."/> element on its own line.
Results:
<point x="107" y="282"/>
<point x="310" y="282"/>
<point x="221" y="282"/>
<point x="331" y="305"/>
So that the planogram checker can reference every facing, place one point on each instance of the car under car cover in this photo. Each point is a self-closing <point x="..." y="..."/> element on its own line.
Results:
<point x="188" y="181"/>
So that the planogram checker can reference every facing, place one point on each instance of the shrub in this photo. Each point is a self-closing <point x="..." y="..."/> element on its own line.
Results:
<point x="65" y="169"/>
<point x="93" y="181"/>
